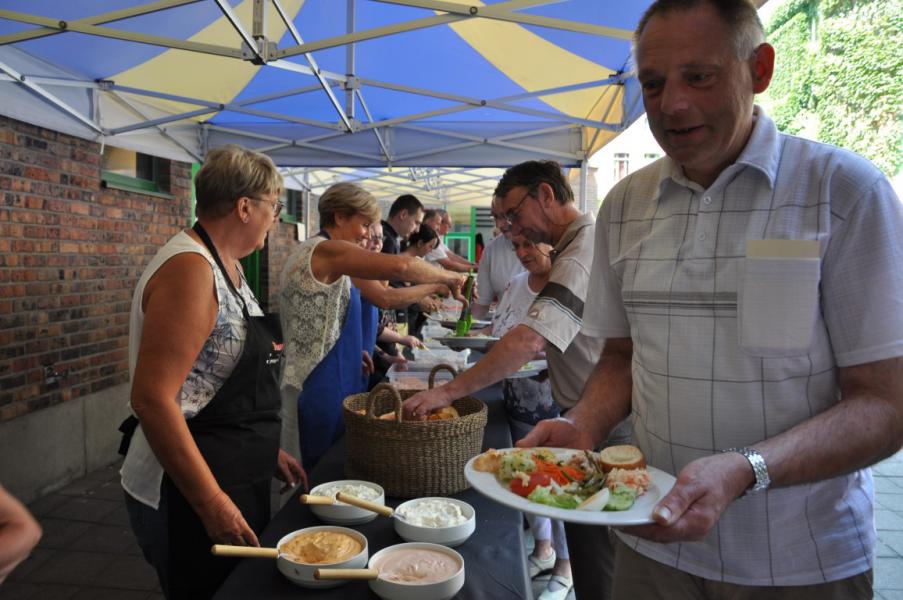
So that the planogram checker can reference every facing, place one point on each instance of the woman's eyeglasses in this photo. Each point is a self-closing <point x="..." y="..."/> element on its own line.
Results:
<point x="276" y="206"/>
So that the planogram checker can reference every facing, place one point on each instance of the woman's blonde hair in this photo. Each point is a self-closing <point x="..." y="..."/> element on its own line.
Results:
<point x="348" y="199"/>
<point x="230" y="172"/>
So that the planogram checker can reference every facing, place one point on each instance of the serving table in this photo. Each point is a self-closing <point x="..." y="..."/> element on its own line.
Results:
<point x="494" y="562"/>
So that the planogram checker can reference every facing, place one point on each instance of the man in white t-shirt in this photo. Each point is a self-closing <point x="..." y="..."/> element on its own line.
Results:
<point x="439" y="220"/>
<point x="498" y="265"/>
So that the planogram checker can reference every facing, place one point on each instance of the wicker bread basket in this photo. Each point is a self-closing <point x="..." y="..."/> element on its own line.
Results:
<point x="410" y="459"/>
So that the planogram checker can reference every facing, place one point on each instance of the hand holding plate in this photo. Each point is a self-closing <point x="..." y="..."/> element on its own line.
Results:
<point x="703" y="490"/>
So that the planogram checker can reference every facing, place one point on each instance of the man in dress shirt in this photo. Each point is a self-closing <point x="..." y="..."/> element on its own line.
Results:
<point x="749" y="288"/>
<point x="405" y="217"/>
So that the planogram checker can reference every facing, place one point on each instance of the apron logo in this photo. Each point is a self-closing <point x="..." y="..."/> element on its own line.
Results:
<point x="276" y="355"/>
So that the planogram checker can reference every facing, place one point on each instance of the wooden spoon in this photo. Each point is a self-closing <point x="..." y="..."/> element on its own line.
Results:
<point x="313" y="499"/>
<point x="244" y="551"/>
<point x="381" y="509"/>
<point x="346" y="574"/>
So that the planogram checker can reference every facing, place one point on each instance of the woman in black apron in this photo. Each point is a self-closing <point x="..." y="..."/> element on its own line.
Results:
<point x="218" y="454"/>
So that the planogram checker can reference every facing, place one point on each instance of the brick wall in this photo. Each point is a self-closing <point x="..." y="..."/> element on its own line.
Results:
<point x="280" y="242"/>
<point x="70" y="255"/>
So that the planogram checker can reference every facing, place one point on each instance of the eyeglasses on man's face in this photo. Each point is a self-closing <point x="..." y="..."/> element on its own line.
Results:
<point x="511" y="216"/>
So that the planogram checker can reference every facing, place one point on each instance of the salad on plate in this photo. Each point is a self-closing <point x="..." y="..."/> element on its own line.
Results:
<point x="611" y="480"/>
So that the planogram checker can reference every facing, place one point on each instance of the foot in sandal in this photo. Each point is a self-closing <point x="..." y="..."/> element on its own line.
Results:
<point x="540" y="565"/>
<point x="558" y="588"/>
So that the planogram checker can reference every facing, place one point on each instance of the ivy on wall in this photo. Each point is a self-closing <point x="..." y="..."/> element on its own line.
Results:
<point x="838" y="75"/>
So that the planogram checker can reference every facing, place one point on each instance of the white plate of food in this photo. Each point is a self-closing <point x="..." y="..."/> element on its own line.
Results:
<point x="496" y="485"/>
<point x="475" y="342"/>
<point x="474" y="324"/>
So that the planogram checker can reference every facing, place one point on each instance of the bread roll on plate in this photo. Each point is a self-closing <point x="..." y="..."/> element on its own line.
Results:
<point x="624" y="456"/>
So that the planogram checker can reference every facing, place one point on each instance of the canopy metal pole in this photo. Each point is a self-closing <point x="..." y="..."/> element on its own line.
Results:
<point x="584" y="167"/>
<point x="349" y="61"/>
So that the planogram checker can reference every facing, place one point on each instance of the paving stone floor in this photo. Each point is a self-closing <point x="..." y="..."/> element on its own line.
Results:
<point x="88" y="551"/>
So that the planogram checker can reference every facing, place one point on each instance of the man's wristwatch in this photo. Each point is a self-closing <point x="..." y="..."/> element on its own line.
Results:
<point x="760" y="469"/>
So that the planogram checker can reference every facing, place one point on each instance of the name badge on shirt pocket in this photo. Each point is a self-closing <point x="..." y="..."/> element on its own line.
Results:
<point x="778" y="297"/>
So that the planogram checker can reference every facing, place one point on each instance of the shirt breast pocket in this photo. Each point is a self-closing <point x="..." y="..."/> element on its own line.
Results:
<point x="777" y="303"/>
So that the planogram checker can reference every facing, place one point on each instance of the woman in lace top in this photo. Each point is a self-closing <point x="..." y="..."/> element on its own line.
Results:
<point x="320" y="310"/>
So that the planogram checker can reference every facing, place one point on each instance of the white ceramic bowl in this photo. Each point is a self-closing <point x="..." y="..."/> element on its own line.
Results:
<point x="345" y="514"/>
<point x="441" y="590"/>
<point x="303" y="573"/>
<point x="453" y="535"/>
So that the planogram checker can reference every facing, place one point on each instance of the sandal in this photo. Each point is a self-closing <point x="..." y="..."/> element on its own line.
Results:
<point x="562" y="587"/>
<point x="540" y="565"/>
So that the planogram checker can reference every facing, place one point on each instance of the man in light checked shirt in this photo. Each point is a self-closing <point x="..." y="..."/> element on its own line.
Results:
<point x="750" y="289"/>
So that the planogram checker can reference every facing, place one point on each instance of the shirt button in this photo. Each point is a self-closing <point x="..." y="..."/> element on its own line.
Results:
<point x="707" y="200"/>
<point x="701" y="237"/>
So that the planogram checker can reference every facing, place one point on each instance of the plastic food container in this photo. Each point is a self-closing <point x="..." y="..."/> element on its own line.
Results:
<point x="429" y="358"/>
<point x="430" y="332"/>
<point x="415" y="379"/>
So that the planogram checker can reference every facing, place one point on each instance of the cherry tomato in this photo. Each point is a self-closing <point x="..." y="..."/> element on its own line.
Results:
<point x="536" y="480"/>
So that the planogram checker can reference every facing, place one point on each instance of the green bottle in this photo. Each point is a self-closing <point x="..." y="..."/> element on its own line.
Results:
<point x="466" y="319"/>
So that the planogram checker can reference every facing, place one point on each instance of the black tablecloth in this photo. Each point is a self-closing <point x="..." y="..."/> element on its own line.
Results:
<point x="494" y="561"/>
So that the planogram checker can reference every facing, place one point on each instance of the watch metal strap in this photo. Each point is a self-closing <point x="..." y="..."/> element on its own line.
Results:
<point x="760" y="469"/>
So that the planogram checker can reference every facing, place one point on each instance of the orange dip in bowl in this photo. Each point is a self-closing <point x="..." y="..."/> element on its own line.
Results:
<point x="321" y="547"/>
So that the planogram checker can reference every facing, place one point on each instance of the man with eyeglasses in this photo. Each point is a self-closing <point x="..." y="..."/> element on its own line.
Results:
<point x="536" y="201"/>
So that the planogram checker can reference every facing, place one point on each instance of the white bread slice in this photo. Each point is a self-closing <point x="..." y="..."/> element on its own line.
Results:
<point x="624" y="456"/>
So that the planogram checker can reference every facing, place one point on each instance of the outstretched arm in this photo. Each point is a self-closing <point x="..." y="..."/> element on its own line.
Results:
<point x="332" y="259"/>
<point x="509" y="354"/>
<point x="19" y="533"/>
<point x="380" y="294"/>
<point x="604" y="403"/>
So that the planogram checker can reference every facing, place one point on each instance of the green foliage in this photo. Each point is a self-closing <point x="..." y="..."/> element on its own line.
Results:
<point x="838" y="75"/>
<point x="790" y="98"/>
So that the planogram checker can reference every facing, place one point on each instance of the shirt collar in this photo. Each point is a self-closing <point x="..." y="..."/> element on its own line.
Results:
<point x="762" y="152"/>
<point x="571" y="232"/>
<point x="389" y="230"/>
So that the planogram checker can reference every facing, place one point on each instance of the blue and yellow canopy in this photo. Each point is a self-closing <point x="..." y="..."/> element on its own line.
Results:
<point x="358" y="84"/>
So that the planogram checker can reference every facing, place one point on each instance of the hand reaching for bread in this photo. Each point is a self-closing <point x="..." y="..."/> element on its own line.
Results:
<point x="419" y="406"/>
<point x="557" y="433"/>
